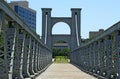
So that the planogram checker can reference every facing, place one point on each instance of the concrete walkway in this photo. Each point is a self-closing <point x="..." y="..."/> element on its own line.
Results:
<point x="64" y="71"/>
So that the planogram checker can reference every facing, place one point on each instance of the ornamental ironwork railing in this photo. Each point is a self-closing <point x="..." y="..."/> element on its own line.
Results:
<point x="22" y="53"/>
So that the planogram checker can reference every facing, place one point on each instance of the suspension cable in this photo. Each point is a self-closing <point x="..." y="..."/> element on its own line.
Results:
<point x="46" y="29"/>
<point x="77" y="30"/>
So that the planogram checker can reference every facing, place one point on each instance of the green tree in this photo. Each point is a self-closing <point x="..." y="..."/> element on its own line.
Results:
<point x="60" y="52"/>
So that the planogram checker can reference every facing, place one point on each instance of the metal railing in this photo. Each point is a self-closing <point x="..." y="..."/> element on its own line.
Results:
<point x="101" y="55"/>
<point x="22" y="53"/>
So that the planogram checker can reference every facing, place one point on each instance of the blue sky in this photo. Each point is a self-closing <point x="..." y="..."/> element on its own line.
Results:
<point x="95" y="14"/>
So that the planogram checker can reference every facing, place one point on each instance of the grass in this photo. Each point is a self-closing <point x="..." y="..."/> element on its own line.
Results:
<point x="61" y="59"/>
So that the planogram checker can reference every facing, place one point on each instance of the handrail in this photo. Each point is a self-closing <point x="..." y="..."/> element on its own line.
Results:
<point x="105" y="33"/>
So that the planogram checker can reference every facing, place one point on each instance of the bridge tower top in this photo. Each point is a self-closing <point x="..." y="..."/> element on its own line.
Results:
<point x="74" y="22"/>
<point x="76" y="9"/>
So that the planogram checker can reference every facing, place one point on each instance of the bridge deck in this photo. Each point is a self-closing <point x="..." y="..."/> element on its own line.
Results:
<point x="64" y="71"/>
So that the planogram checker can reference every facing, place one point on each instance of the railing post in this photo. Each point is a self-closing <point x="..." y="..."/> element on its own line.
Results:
<point x="38" y="58"/>
<point x="96" y="57"/>
<point x="28" y="57"/>
<point x="117" y="43"/>
<point x="31" y="57"/>
<point x="79" y="54"/>
<point x="25" y="57"/>
<point x="11" y="44"/>
<point x="108" y="55"/>
<point x="90" y="56"/>
<point x="34" y="58"/>
<point x="82" y="57"/>
<point x="3" y="49"/>
<point x="43" y="58"/>
<point x="77" y="57"/>
<point x="17" y="54"/>
<point x="101" y="55"/>
<point x="118" y="63"/>
<point x="22" y="38"/>
<point x="87" y="57"/>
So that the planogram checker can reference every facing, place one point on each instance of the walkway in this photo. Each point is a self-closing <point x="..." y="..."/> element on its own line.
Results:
<point x="64" y="71"/>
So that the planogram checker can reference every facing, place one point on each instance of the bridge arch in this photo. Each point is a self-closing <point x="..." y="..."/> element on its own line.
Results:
<point x="74" y="23"/>
<point x="64" y="20"/>
<point x="56" y="28"/>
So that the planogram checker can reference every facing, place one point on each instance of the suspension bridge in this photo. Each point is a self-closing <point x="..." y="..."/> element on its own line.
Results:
<point x="23" y="55"/>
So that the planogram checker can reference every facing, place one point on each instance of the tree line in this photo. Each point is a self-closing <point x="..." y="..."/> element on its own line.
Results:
<point x="60" y="52"/>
